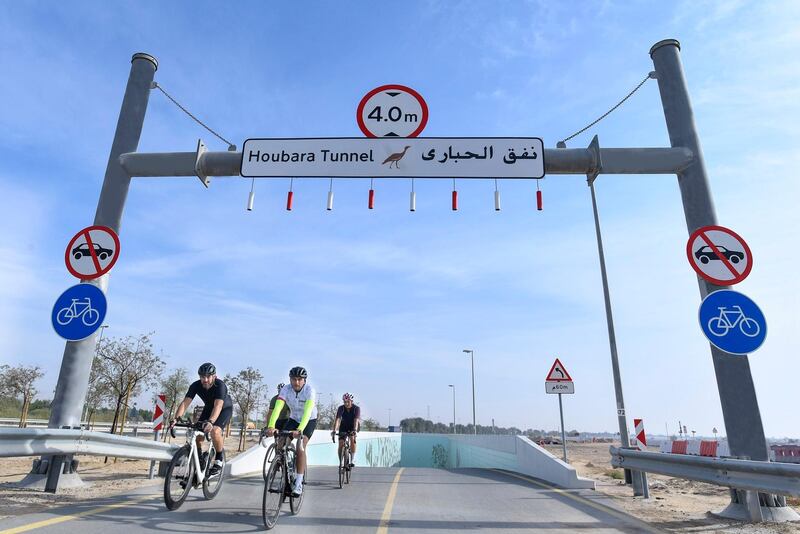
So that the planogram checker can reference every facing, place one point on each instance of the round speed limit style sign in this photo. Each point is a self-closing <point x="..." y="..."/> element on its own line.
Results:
<point x="392" y="111"/>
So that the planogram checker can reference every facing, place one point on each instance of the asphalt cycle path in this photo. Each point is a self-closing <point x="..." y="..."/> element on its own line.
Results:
<point x="378" y="500"/>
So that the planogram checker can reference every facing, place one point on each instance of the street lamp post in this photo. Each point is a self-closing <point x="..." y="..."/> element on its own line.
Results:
<point x="472" y="362"/>
<point x="454" y="406"/>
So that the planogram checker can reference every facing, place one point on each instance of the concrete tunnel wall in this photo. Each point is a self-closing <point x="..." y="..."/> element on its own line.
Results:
<point x="449" y="451"/>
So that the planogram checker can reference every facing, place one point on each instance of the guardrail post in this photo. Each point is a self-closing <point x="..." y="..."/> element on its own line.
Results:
<point x="153" y="462"/>
<point x="753" y="506"/>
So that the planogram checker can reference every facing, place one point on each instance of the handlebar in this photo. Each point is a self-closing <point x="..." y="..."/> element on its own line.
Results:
<point x="278" y="434"/>
<point x="187" y="423"/>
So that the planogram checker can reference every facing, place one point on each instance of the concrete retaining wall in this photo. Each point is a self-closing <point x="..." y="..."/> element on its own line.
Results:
<point x="387" y="449"/>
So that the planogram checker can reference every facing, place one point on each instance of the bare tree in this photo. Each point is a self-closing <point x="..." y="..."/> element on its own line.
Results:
<point x="174" y="387"/>
<point x="246" y="389"/>
<point x="126" y="366"/>
<point x="18" y="382"/>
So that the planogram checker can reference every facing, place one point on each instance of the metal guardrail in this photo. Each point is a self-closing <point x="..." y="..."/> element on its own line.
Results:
<point x="45" y="441"/>
<point x="765" y="477"/>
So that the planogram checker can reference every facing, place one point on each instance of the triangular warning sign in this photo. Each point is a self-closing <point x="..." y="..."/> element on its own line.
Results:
<point x="558" y="373"/>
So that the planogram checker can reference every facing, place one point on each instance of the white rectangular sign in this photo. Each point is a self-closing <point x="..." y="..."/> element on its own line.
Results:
<point x="559" y="387"/>
<point x="420" y="157"/>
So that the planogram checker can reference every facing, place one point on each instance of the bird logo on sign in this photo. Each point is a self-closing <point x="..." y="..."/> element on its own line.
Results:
<point x="394" y="158"/>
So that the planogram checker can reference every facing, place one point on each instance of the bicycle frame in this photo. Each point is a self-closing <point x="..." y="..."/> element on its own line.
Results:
<point x="723" y="314"/>
<point x="194" y="454"/>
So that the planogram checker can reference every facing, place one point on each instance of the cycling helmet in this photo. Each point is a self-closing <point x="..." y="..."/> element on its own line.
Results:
<point x="298" y="372"/>
<point x="281" y="386"/>
<point x="347" y="396"/>
<point x="207" y="369"/>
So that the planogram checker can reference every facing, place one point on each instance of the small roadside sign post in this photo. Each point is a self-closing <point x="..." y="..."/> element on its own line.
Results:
<point x="641" y="444"/>
<point x="158" y="423"/>
<point x="559" y="382"/>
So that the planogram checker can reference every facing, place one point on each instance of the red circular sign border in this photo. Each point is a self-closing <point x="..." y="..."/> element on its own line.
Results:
<point x="708" y="278"/>
<point x="80" y="276"/>
<point x="377" y="90"/>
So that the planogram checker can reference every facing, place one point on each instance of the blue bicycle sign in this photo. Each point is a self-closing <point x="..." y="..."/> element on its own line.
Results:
<point x="732" y="322"/>
<point x="79" y="312"/>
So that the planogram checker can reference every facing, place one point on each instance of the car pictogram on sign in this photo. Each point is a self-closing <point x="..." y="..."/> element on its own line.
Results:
<point x="706" y="254"/>
<point x="92" y="252"/>
<point x="83" y="250"/>
<point x="719" y="255"/>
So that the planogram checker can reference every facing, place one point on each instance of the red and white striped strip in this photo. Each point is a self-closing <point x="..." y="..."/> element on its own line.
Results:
<point x="641" y="440"/>
<point x="158" y="413"/>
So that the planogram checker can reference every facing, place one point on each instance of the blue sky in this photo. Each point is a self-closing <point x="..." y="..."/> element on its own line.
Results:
<point x="382" y="302"/>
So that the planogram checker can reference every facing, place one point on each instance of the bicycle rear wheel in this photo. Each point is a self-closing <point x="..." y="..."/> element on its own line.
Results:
<point x="212" y="484"/>
<point x="274" y="494"/>
<point x="179" y="478"/>
<point x="347" y="468"/>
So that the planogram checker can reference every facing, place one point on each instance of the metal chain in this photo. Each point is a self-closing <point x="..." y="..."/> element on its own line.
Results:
<point x="651" y="74"/>
<point x="231" y="146"/>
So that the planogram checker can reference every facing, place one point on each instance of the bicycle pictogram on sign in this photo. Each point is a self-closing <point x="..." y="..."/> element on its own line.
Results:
<point x="79" y="312"/>
<point x="732" y="322"/>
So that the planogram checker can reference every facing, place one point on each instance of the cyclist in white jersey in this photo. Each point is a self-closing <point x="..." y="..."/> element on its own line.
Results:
<point x="300" y="397"/>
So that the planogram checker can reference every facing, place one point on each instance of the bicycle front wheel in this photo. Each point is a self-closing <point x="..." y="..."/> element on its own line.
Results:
<point x="178" y="480"/>
<point x="274" y="494"/>
<point x="749" y="327"/>
<point x="347" y="468"/>
<point x="212" y="484"/>
<point x="268" y="460"/>
<point x="341" y="473"/>
<point x="90" y="317"/>
<point x="294" y="502"/>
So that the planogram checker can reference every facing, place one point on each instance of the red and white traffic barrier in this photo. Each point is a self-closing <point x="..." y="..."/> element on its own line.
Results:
<point x="641" y="439"/>
<point x="710" y="448"/>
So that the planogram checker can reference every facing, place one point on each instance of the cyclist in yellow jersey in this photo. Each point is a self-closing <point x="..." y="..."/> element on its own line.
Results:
<point x="299" y="396"/>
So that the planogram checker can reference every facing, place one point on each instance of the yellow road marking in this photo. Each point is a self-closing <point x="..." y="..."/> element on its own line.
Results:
<point x="63" y="518"/>
<point x="387" y="509"/>
<point x="582" y="500"/>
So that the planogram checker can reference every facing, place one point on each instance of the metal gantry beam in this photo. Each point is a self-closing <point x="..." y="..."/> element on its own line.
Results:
<point x="556" y="161"/>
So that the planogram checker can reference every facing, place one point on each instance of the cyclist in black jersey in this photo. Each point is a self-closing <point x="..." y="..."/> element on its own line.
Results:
<point x="217" y="411"/>
<point x="348" y="419"/>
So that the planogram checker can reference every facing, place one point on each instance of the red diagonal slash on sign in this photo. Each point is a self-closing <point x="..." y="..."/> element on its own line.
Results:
<point x="705" y="235"/>
<point x="719" y="254"/>
<point x="89" y="243"/>
<point x="86" y="234"/>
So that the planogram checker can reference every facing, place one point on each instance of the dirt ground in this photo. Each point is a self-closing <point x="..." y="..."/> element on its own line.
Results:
<point x="675" y="505"/>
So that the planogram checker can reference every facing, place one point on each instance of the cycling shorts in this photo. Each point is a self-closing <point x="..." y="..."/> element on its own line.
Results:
<point x="291" y="424"/>
<point x="224" y="416"/>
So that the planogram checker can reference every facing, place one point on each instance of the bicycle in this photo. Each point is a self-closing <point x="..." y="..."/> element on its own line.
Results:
<point x="346" y="459"/>
<point x="88" y="315"/>
<point x="720" y="325"/>
<point x="279" y="479"/>
<point x="185" y="470"/>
